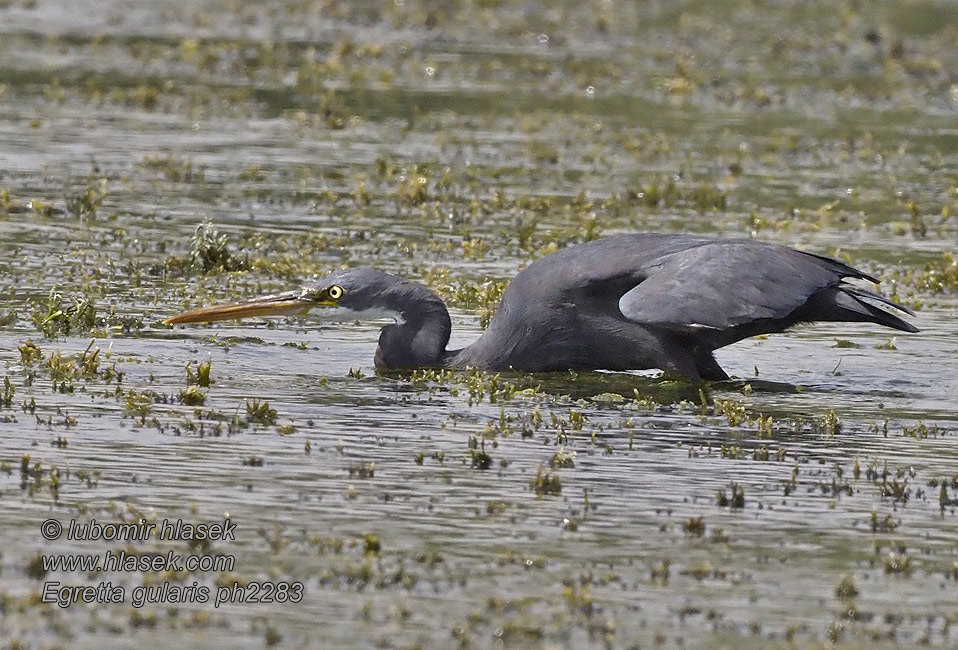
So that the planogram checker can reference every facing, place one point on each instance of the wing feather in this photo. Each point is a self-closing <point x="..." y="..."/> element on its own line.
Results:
<point x="726" y="284"/>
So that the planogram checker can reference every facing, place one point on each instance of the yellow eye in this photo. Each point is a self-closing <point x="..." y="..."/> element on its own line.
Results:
<point x="336" y="292"/>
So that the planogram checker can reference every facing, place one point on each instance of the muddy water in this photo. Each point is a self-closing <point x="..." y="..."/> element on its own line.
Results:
<point x="802" y="503"/>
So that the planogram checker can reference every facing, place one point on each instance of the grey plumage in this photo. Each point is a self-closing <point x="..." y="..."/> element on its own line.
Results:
<point x="621" y="303"/>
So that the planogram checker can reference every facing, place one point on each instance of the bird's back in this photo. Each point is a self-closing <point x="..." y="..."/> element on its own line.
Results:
<point x="560" y="311"/>
<point x="621" y="257"/>
<point x="664" y="301"/>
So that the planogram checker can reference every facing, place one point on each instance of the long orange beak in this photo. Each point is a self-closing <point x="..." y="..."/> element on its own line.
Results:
<point x="291" y="303"/>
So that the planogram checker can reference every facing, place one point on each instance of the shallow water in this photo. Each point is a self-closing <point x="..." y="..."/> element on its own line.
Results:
<point x="453" y="145"/>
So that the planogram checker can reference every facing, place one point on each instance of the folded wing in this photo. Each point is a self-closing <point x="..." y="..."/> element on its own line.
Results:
<point x="724" y="291"/>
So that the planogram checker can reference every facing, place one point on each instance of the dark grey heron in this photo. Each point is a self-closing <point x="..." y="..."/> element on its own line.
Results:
<point x="629" y="302"/>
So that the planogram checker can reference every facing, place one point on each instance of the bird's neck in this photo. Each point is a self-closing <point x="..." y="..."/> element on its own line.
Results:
<point x="419" y="341"/>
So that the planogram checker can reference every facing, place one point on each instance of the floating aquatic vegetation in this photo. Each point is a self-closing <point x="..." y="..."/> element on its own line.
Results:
<point x="66" y="316"/>
<point x="546" y="482"/>
<point x="85" y="205"/>
<point x="258" y="412"/>
<point x="735" y="501"/>
<point x="202" y="375"/>
<point x="210" y="252"/>
<point x="477" y="455"/>
<point x="694" y="526"/>
<point x="192" y="396"/>
<point x="6" y="397"/>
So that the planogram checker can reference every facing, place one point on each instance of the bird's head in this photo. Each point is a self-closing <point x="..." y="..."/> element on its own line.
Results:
<point x="351" y="294"/>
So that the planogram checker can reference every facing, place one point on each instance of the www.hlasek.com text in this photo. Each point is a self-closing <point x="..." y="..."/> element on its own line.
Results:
<point x="136" y="562"/>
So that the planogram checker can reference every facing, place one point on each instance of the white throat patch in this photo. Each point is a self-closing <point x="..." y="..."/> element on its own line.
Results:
<point x="344" y="314"/>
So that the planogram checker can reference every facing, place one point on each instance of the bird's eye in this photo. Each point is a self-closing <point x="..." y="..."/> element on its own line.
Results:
<point x="336" y="292"/>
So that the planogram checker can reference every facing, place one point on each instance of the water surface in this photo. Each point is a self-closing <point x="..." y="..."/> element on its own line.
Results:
<point x="453" y="144"/>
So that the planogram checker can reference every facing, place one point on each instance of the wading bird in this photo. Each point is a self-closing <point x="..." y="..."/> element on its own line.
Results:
<point x="629" y="302"/>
